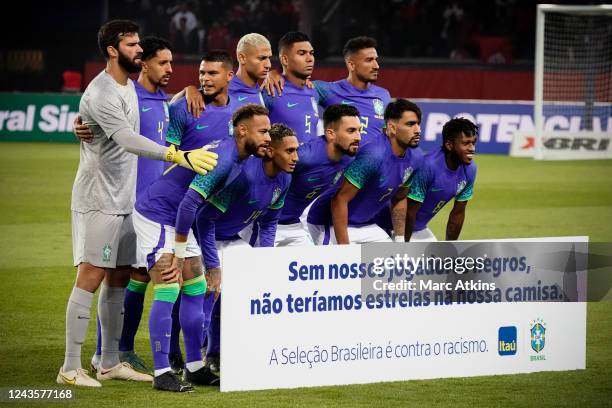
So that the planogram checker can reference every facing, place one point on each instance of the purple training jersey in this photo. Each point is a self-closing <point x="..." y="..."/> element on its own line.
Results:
<point x="435" y="184"/>
<point x="313" y="175"/>
<point x="378" y="174"/>
<point x="190" y="132"/>
<point x="161" y="200"/>
<point x="252" y="196"/>
<point x="243" y="94"/>
<point x="297" y="108"/>
<point x="371" y="103"/>
<point x="154" y="121"/>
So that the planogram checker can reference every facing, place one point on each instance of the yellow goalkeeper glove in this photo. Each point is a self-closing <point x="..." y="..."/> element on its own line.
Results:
<point x="200" y="160"/>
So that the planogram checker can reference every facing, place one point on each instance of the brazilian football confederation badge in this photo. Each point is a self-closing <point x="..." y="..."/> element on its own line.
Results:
<point x="315" y="106"/>
<point x="460" y="186"/>
<point x="106" y="253"/>
<point x="379" y="107"/>
<point x="538" y="339"/>
<point x="407" y="174"/>
<point x="276" y="194"/>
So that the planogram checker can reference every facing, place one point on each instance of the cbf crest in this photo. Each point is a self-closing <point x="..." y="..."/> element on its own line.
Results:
<point x="379" y="107"/>
<point x="538" y="335"/>
<point x="276" y="194"/>
<point x="166" y="111"/>
<point x="230" y="128"/>
<point x="407" y="174"/>
<point x="337" y="177"/>
<point x="460" y="186"/>
<point x="315" y="106"/>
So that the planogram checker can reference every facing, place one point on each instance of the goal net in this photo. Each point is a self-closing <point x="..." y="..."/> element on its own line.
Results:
<point x="573" y="82"/>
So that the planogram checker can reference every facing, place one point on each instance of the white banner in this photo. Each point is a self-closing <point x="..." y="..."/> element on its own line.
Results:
<point x="295" y="317"/>
<point x="564" y="145"/>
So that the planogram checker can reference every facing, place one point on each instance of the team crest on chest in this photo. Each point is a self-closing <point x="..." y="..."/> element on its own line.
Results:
<point x="461" y="186"/>
<point x="379" y="107"/>
<point x="166" y="111"/>
<point x="407" y="174"/>
<point x="337" y="177"/>
<point x="230" y="128"/>
<point x="276" y="194"/>
<point x="315" y="107"/>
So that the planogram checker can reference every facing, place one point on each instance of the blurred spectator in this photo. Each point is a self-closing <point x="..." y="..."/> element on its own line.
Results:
<point x="218" y="37"/>
<point x="183" y="12"/>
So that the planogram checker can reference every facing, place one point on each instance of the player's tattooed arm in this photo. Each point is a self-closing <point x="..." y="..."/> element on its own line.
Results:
<point x="339" y="210"/>
<point x="412" y="207"/>
<point x="195" y="100"/>
<point x="398" y="214"/>
<point x="81" y="130"/>
<point x="455" y="221"/>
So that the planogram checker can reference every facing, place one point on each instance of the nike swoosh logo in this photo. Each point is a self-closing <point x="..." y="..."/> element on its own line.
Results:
<point x="68" y="380"/>
<point x="313" y="178"/>
<point x="145" y="109"/>
<point x="347" y="102"/>
<point x="200" y="127"/>
<point x="291" y="105"/>
<point x="168" y="335"/>
<point x="242" y="98"/>
<point x="434" y="189"/>
<point x="253" y="201"/>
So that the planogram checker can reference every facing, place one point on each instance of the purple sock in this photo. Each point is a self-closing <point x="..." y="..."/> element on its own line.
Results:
<point x="160" y="325"/>
<point x="214" y="329"/>
<point x="175" y="346"/>
<point x="132" y="306"/>
<point x="191" y="317"/>
<point x="209" y="301"/>
<point x="98" y="337"/>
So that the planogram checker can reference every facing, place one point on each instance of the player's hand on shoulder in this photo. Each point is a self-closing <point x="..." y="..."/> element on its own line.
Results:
<point x="273" y="84"/>
<point x="81" y="130"/>
<point x="195" y="101"/>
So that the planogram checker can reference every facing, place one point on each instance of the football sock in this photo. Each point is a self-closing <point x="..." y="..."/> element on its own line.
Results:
<point x="209" y="301"/>
<point x="132" y="306"/>
<point x="98" y="337"/>
<point x="77" y="319"/>
<point x="110" y="311"/>
<point x="175" y="346"/>
<point x="214" y="329"/>
<point x="191" y="317"/>
<point x="160" y="324"/>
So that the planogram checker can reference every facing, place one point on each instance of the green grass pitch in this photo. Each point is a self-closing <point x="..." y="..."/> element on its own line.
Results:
<point x="513" y="198"/>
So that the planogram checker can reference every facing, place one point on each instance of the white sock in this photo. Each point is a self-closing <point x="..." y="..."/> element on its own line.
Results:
<point x="161" y="371"/>
<point x="110" y="311"/>
<point x="194" y="366"/>
<point x="77" y="319"/>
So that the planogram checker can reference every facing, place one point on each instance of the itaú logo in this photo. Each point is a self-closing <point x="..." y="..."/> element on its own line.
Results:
<point x="506" y="344"/>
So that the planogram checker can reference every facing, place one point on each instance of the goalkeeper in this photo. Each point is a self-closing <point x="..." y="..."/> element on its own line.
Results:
<point x="103" y="238"/>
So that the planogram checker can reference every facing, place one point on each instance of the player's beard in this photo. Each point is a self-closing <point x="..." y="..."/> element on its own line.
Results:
<point x="347" y="151"/>
<point x="129" y="65"/>
<point x="253" y="148"/>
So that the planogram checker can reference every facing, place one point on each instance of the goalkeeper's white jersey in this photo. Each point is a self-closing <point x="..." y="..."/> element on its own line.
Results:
<point x="106" y="178"/>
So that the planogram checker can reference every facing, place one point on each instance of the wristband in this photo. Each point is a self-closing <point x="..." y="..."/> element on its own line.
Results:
<point x="180" y="249"/>
<point x="399" y="238"/>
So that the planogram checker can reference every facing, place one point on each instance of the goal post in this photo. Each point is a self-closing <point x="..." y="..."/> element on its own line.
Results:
<point x="573" y="82"/>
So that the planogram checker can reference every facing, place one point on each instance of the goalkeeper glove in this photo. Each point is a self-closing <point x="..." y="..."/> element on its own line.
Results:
<point x="200" y="160"/>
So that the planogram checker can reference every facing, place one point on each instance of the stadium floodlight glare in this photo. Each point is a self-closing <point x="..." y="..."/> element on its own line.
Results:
<point x="573" y="82"/>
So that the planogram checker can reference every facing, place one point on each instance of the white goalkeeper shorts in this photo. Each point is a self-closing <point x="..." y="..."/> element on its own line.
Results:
<point x="324" y="234"/>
